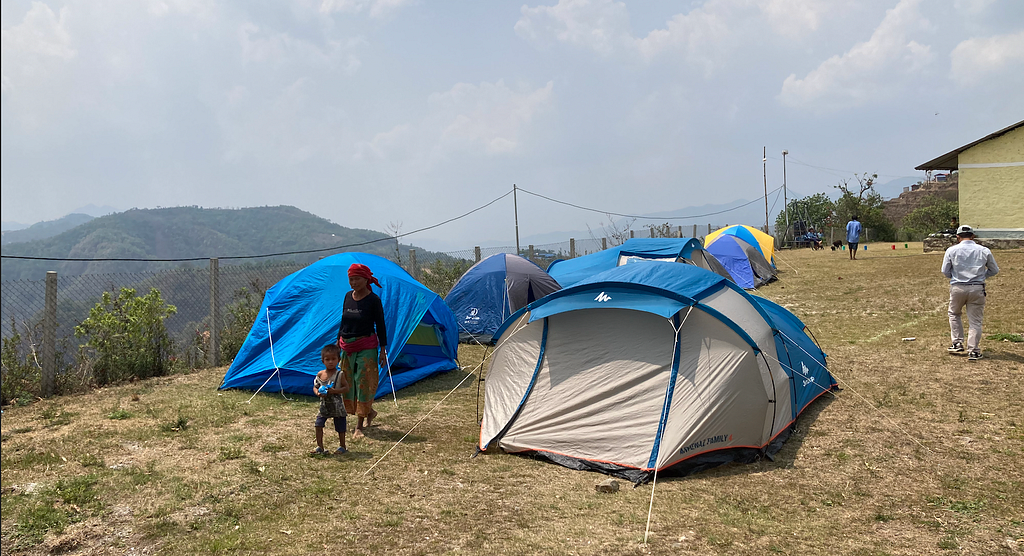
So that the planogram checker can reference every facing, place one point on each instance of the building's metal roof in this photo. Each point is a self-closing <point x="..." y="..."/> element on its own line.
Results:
<point x="949" y="160"/>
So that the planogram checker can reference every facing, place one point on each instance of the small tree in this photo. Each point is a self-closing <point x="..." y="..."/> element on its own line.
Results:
<point x="817" y="210"/>
<point x="242" y="313"/>
<point x="128" y="336"/>
<point x="934" y="215"/>
<point x="617" y="234"/>
<point x="861" y="199"/>
<point x="441" y="276"/>
<point x="660" y="230"/>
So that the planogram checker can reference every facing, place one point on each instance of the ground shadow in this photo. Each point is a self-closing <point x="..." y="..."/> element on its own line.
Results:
<point x="1003" y="356"/>
<point x="783" y="459"/>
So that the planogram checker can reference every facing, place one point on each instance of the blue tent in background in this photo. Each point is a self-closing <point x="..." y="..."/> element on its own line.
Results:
<point x="301" y="313"/>
<point x="493" y="289"/>
<point x="746" y="264"/>
<point x="572" y="271"/>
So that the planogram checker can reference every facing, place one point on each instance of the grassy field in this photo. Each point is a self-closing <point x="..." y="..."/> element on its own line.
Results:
<point x="920" y="453"/>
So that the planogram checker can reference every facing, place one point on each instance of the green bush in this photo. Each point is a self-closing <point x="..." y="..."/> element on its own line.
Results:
<point x="241" y="314"/>
<point x="934" y="215"/>
<point x="441" y="275"/>
<point x="128" y="336"/>
<point x="20" y="374"/>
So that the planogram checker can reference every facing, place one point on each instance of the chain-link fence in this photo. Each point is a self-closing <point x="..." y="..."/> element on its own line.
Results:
<point x="240" y="290"/>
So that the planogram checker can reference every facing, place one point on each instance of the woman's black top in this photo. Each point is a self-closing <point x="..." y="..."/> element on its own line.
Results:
<point x="359" y="317"/>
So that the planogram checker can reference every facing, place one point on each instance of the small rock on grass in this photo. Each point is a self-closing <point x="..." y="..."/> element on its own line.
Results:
<point x="608" y="485"/>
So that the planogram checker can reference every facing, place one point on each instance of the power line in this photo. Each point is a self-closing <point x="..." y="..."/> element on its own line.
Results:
<point x="640" y="217"/>
<point x="302" y="252"/>
<point x="833" y="170"/>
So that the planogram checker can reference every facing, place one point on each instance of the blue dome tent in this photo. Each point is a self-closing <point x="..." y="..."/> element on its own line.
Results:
<point x="302" y="313"/>
<point x="493" y="289"/>
<point x="745" y="263"/>
<point x="650" y="367"/>
<point x="569" y="272"/>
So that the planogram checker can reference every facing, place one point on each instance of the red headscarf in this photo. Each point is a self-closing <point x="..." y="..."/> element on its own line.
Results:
<point x="363" y="271"/>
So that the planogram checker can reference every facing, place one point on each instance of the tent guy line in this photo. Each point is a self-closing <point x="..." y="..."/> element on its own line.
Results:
<point x="846" y="385"/>
<point x="457" y="386"/>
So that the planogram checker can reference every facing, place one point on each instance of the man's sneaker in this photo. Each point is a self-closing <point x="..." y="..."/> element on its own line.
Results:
<point x="957" y="347"/>
<point x="974" y="355"/>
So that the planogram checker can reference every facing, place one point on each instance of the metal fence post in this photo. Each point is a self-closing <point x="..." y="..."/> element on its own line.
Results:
<point x="48" y="377"/>
<point x="215" y="312"/>
<point x="476" y="252"/>
<point x="413" y="267"/>
<point x="572" y="248"/>
<point x="709" y="228"/>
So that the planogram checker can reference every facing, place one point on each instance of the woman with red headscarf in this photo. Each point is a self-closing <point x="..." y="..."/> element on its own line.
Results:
<point x="361" y="332"/>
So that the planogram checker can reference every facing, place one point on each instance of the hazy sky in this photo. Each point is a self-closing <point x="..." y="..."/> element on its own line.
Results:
<point x="370" y="112"/>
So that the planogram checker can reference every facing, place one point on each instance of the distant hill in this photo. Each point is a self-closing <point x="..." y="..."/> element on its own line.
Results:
<point x="43" y="230"/>
<point x="185" y="232"/>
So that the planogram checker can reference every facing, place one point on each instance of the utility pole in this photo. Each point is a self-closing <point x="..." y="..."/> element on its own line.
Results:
<point x="785" y="198"/>
<point x="764" y="170"/>
<point x="515" y="205"/>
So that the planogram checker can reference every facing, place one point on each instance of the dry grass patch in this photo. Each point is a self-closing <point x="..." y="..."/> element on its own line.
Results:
<point x="918" y="454"/>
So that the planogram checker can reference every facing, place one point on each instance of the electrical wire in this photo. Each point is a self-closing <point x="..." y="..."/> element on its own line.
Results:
<point x="641" y="217"/>
<point x="301" y="252"/>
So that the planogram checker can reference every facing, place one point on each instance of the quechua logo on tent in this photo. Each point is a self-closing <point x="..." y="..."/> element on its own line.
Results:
<point x="602" y="297"/>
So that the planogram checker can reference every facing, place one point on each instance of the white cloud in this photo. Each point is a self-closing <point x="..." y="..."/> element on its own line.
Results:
<point x="598" y="25"/>
<point x="489" y="118"/>
<point x="975" y="58"/>
<point x="281" y="49"/>
<point x="870" y="70"/>
<point x="375" y="8"/>
<point x="34" y="45"/>
<point x="703" y="36"/>
<point x="792" y="18"/>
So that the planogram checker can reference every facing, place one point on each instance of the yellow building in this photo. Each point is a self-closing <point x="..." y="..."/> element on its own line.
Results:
<point x="991" y="182"/>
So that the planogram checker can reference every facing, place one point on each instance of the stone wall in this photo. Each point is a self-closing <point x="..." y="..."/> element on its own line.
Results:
<point x="941" y="243"/>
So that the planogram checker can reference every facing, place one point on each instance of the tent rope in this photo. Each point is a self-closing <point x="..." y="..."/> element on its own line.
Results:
<point x="846" y="385"/>
<point x="787" y="263"/>
<point x="277" y="370"/>
<point x="457" y="386"/>
<point x="654" y="483"/>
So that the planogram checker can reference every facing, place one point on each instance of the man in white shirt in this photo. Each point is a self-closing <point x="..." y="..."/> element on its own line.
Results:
<point x="967" y="265"/>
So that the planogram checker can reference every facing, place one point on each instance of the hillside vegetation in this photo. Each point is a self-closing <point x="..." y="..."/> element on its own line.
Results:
<point x="185" y="232"/>
<point x="43" y="230"/>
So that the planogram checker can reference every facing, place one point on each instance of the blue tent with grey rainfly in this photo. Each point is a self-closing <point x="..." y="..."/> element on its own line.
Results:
<point x="650" y="367"/>
<point x="493" y="289"/>
<point x="301" y="313"/>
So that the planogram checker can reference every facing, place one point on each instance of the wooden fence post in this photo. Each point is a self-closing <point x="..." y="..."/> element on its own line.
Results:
<point x="572" y="248"/>
<point x="49" y="372"/>
<point x="215" y="312"/>
<point x="476" y="253"/>
<point x="531" y="253"/>
<point x="604" y="243"/>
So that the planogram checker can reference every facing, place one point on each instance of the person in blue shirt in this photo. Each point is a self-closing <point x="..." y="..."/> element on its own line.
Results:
<point x="853" y="230"/>
<point x="967" y="265"/>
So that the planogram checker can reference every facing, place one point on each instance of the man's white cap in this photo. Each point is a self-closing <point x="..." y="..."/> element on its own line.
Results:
<point x="964" y="230"/>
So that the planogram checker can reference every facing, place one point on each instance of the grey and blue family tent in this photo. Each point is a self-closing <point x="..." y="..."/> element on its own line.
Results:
<point x="647" y="367"/>
<point x="745" y="263"/>
<point x="301" y="314"/>
<point x="686" y="250"/>
<point x="493" y="289"/>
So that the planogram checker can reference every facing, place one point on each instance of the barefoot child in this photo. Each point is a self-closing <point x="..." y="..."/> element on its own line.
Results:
<point x="329" y="385"/>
